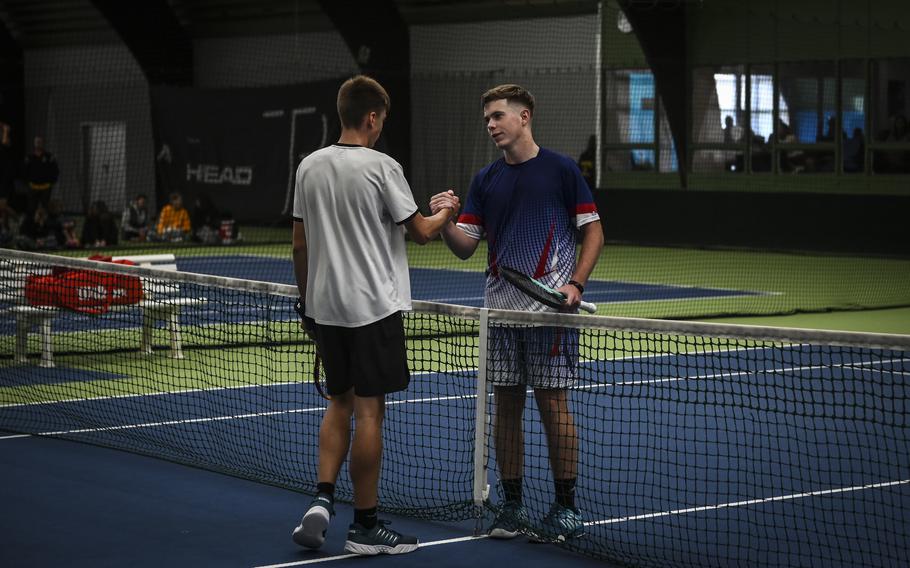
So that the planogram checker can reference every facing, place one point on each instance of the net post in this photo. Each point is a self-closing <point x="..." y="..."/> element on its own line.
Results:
<point x="47" y="341"/>
<point x="148" y="324"/>
<point x="22" y="325"/>
<point x="481" y="487"/>
<point x="173" y="315"/>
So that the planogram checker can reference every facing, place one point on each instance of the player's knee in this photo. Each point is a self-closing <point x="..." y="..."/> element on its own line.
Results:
<point x="343" y="403"/>
<point x="551" y="401"/>
<point x="369" y="409"/>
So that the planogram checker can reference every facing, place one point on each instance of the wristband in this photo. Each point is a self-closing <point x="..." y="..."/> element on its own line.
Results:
<point x="581" y="289"/>
<point x="300" y="308"/>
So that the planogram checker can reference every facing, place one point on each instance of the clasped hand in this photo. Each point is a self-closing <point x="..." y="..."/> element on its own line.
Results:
<point x="445" y="200"/>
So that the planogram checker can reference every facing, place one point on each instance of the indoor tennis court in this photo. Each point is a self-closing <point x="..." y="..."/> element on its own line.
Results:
<point x="738" y="397"/>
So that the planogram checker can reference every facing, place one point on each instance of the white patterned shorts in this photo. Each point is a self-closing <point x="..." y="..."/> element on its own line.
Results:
<point x="538" y="357"/>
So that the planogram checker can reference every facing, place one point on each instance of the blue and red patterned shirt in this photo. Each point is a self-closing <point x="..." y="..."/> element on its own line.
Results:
<point x="530" y="213"/>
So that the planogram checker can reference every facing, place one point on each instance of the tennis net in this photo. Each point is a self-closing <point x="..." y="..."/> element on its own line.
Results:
<point x="698" y="444"/>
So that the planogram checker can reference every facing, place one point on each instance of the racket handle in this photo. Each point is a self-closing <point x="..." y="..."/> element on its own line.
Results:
<point x="588" y="307"/>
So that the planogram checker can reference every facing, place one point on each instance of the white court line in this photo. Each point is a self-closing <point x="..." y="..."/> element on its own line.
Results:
<point x="233" y="417"/>
<point x="12" y="436"/>
<point x="731" y="373"/>
<point x="183" y="421"/>
<point x="344" y="556"/>
<point x="748" y="502"/>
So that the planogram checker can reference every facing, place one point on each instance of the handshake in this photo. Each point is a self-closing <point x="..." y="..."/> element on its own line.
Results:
<point x="445" y="200"/>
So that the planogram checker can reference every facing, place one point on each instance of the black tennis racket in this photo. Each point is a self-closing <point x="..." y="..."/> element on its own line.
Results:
<point x="309" y="326"/>
<point x="539" y="291"/>
<point x="318" y="377"/>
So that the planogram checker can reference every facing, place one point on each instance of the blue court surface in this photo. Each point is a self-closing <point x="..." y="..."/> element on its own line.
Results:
<point x="69" y="504"/>
<point x="448" y="286"/>
<point x="761" y="455"/>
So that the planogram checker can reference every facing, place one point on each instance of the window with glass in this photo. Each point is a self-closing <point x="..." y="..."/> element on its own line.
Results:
<point x="806" y="135"/>
<point x="634" y="138"/>
<point x="890" y="112"/>
<point x="853" y="117"/>
<point x="761" y="116"/>
<point x="718" y="119"/>
<point x="848" y="117"/>
<point x="629" y="107"/>
<point x="667" y="161"/>
<point x="718" y="105"/>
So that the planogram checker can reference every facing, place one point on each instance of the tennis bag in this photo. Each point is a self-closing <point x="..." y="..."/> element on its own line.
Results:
<point x="83" y="291"/>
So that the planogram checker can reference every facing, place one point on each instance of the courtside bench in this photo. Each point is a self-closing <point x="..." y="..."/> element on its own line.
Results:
<point x="157" y="306"/>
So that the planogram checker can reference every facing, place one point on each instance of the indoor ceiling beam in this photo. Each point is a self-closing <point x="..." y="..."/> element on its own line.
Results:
<point x="379" y="39"/>
<point x="660" y="27"/>
<point x="154" y="36"/>
<point x="419" y="13"/>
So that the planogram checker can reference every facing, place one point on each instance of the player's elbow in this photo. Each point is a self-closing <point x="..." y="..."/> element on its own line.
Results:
<point x="460" y="248"/>
<point x="463" y="254"/>
<point x="460" y="244"/>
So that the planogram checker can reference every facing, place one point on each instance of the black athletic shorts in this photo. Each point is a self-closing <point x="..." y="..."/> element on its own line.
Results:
<point x="372" y="359"/>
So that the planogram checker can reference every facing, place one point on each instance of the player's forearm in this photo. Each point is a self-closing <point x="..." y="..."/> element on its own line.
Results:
<point x="424" y="229"/>
<point x="591" y="245"/>
<point x="300" y="270"/>
<point x="458" y="241"/>
<point x="300" y="256"/>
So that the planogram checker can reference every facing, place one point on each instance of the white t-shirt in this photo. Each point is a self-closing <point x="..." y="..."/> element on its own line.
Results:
<point x="352" y="201"/>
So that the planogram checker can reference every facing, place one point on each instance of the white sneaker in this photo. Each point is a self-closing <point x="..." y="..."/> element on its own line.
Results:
<point x="312" y="528"/>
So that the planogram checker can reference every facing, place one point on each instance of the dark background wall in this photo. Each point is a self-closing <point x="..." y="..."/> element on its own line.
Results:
<point x="794" y="221"/>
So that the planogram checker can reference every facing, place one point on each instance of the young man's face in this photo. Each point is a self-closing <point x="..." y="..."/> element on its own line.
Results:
<point x="505" y="123"/>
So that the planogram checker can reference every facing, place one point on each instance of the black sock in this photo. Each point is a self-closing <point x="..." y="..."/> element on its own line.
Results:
<point x="327" y="488"/>
<point x="565" y="492"/>
<point x="511" y="489"/>
<point x="366" y="518"/>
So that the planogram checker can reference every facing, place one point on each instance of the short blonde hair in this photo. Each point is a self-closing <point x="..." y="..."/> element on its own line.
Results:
<point x="510" y="92"/>
<point x="359" y="96"/>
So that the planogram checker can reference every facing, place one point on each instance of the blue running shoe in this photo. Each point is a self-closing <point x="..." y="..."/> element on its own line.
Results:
<point x="311" y="531"/>
<point x="378" y="540"/>
<point x="560" y="524"/>
<point x="510" y="521"/>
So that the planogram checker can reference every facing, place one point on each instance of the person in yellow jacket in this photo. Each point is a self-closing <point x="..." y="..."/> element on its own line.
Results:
<point x="174" y="221"/>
